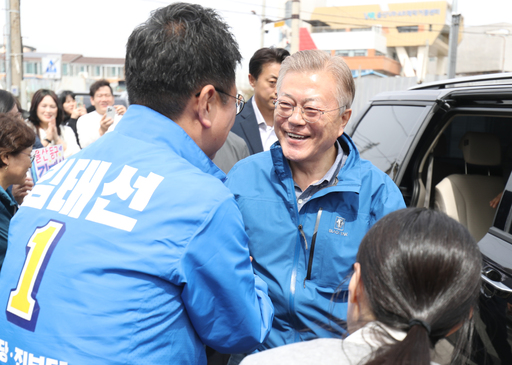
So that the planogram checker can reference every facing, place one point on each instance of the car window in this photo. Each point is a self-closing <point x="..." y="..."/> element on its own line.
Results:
<point x="384" y="132"/>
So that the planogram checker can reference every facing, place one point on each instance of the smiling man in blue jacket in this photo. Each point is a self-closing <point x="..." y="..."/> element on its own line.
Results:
<point x="134" y="251"/>
<point x="308" y="202"/>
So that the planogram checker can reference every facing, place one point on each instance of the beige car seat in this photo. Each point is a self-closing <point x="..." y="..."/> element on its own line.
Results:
<point x="466" y="197"/>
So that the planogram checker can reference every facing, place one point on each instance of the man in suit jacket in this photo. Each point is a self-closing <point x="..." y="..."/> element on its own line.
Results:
<point x="255" y="124"/>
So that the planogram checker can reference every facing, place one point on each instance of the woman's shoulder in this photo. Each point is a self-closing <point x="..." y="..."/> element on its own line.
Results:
<point x="321" y="351"/>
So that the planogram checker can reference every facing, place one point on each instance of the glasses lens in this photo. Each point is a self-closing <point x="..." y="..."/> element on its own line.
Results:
<point x="240" y="102"/>
<point x="285" y="110"/>
<point x="311" y="115"/>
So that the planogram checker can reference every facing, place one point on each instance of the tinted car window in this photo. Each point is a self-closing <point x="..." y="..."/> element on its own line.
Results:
<point x="384" y="132"/>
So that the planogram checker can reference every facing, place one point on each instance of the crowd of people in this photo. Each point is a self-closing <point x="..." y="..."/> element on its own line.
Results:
<point x="139" y="248"/>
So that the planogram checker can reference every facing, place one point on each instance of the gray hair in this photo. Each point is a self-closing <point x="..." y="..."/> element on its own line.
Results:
<point x="316" y="60"/>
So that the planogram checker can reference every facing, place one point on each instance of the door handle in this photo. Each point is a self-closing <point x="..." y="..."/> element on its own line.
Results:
<point x="496" y="284"/>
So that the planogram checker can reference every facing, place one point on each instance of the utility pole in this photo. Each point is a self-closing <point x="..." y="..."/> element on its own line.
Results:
<point x="453" y="41"/>
<point x="295" y="26"/>
<point x="8" y="79"/>
<point x="16" y="48"/>
<point x="262" y="24"/>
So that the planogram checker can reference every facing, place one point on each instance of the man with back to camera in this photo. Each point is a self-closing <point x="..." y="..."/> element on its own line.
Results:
<point x="255" y="124"/>
<point x="308" y="202"/>
<point x="95" y="124"/>
<point x="134" y="251"/>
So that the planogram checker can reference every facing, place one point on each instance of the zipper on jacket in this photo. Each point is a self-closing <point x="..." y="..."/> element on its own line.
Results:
<point x="312" y="251"/>
<point x="303" y="235"/>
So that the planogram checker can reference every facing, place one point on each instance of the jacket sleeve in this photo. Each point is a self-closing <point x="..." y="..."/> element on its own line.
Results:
<point x="387" y="199"/>
<point x="227" y="304"/>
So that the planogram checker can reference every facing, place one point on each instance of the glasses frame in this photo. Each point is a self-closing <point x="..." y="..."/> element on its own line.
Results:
<point x="322" y="112"/>
<point x="240" y="100"/>
<point x="32" y="155"/>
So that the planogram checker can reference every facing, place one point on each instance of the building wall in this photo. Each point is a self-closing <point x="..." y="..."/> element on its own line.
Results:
<point x="485" y="49"/>
<point x="429" y="17"/>
<point x="334" y="41"/>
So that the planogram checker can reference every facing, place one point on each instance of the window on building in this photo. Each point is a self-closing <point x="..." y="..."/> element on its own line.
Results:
<point x="408" y="29"/>
<point x="378" y="53"/>
<point x="65" y="69"/>
<point x="112" y="71"/>
<point x="30" y="68"/>
<point x="351" y="52"/>
<point x="361" y="29"/>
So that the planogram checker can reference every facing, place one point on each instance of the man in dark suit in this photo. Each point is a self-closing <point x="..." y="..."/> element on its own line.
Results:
<point x="255" y="124"/>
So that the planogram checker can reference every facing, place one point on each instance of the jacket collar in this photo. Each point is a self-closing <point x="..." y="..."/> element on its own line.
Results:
<point x="147" y="125"/>
<point x="7" y="198"/>
<point x="349" y="177"/>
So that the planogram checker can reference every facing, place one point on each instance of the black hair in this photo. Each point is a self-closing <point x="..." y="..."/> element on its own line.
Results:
<point x="178" y="50"/>
<point x="420" y="264"/>
<point x="7" y="101"/>
<point x="263" y="56"/>
<point x="100" y="83"/>
<point x="63" y="96"/>
<point x="36" y="100"/>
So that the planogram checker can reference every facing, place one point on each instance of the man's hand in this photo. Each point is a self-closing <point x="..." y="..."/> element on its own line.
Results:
<point x="105" y="123"/>
<point x="494" y="203"/>
<point x="120" y="109"/>
<point x="20" y="191"/>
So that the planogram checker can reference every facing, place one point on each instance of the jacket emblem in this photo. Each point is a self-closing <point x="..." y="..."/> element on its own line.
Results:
<point x="339" y="227"/>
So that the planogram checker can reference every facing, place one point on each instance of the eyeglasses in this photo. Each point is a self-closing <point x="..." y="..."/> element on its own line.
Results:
<point x="310" y="115"/>
<point x="32" y="155"/>
<point x="240" y="101"/>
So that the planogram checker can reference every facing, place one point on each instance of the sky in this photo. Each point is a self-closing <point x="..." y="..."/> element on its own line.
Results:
<point x="100" y="28"/>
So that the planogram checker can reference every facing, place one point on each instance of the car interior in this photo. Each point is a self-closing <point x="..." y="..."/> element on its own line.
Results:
<point x="467" y="166"/>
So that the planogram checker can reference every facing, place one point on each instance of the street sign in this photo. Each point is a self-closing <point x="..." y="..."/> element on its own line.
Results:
<point x="51" y="66"/>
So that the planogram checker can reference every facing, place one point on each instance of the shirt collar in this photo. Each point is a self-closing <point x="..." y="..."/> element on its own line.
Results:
<point x="7" y="195"/>
<point x="257" y="113"/>
<point x="148" y="125"/>
<point x="332" y="174"/>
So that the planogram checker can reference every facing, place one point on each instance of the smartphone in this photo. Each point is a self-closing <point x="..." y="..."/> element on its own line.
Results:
<point x="79" y="101"/>
<point x="111" y="112"/>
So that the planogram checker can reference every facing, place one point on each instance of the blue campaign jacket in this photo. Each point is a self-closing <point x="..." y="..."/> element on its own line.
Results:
<point x="305" y="256"/>
<point x="131" y="252"/>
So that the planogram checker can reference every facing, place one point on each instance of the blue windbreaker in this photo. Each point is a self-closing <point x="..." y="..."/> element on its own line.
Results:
<point x="131" y="252"/>
<point x="305" y="256"/>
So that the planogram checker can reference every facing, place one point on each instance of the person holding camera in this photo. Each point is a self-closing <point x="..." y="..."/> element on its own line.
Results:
<point x="95" y="124"/>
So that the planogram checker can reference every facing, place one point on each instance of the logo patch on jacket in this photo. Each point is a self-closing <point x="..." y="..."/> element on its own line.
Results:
<point x="339" y="227"/>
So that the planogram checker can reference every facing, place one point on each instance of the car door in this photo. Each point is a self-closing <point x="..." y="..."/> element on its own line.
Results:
<point x="493" y="338"/>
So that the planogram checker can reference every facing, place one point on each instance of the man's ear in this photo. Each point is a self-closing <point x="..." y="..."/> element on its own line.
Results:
<point x="92" y="100"/>
<point x="205" y="104"/>
<point x="252" y="80"/>
<point x="344" y="120"/>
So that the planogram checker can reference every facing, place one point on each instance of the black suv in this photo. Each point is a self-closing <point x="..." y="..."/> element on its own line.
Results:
<point x="448" y="146"/>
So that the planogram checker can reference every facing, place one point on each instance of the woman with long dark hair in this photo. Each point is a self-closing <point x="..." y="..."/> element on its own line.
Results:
<point x="46" y="116"/>
<point x="71" y="111"/>
<point x="415" y="282"/>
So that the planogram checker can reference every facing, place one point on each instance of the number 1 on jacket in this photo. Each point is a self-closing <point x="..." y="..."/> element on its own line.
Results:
<point x="22" y="301"/>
